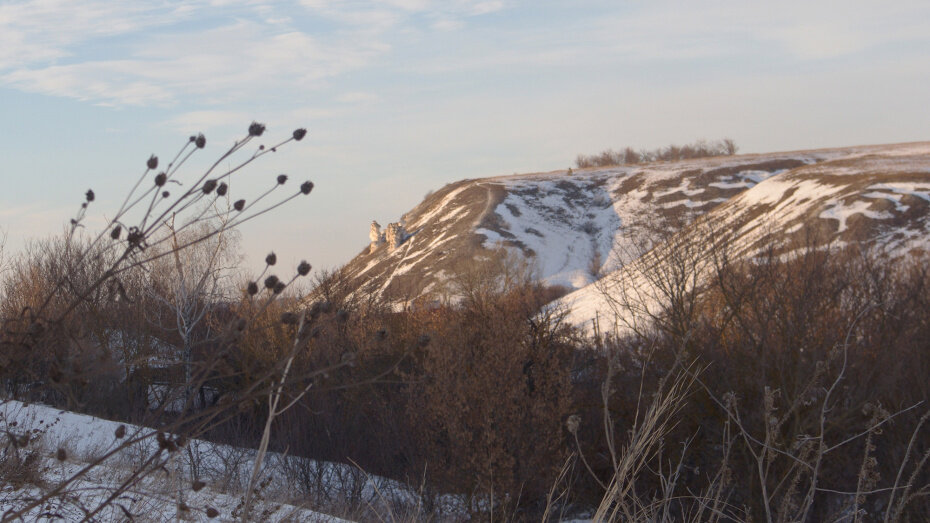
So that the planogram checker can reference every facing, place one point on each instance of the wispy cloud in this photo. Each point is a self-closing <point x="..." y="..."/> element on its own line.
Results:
<point x="206" y="51"/>
<point x="50" y="47"/>
<point x="229" y="63"/>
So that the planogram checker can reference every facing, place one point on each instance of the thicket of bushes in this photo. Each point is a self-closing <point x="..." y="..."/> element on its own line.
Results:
<point x="805" y="386"/>
<point x="630" y="156"/>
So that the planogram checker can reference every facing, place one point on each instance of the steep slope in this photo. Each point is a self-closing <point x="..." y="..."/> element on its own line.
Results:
<point x="875" y="196"/>
<point x="572" y="227"/>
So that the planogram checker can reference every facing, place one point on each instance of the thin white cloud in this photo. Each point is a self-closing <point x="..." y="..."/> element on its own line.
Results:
<point x="229" y="63"/>
<point x="483" y="8"/>
<point x="46" y="30"/>
<point x="225" y="50"/>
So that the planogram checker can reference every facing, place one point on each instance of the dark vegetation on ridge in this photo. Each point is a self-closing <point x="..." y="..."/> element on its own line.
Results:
<point x="630" y="156"/>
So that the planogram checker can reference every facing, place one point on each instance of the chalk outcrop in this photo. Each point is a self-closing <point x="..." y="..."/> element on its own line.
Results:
<point x="375" y="235"/>
<point x="393" y="235"/>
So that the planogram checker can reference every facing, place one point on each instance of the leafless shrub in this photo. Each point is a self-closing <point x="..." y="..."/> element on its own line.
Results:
<point x="812" y="424"/>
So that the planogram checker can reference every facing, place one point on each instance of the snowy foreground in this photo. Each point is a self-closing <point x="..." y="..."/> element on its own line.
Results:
<point x="63" y="443"/>
<point x="167" y="494"/>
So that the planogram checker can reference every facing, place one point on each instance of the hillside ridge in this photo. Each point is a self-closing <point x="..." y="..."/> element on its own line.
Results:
<point x="574" y="228"/>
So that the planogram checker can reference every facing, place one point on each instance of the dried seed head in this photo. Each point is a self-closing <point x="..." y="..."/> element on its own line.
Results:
<point x="306" y="187"/>
<point x="304" y="268"/>
<point x="239" y="205"/>
<point x="221" y="190"/>
<point x="116" y="232"/>
<point x="252" y="288"/>
<point x="160" y="179"/>
<point x="152" y="163"/>
<point x="164" y="443"/>
<point x="299" y="134"/>
<point x="256" y="129"/>
<point x="135" y="236"/>
<point x="61" y="455"/>
<point x="279" y="287"/>
<point x="165" y="194"/>
<point x="208" y="186"/>
<point x="120" y="432"/>
<point x="271" y="259"/>
<point x="200" y="141"/>
<point x="212" y="512"/>
<point x="89" y="195"/>
<point x="281" y="179"/>
<point x="271" y="281"/>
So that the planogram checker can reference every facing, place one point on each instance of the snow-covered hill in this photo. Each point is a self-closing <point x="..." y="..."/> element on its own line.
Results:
<point x="877" y="196"/>
<point x="573" y="227"/>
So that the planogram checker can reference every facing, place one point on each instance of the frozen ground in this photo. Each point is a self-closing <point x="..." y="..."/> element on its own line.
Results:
<point x="84" y="440"/>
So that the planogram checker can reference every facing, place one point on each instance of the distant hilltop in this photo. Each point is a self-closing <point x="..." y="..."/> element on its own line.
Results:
<point x="577" y="227"/>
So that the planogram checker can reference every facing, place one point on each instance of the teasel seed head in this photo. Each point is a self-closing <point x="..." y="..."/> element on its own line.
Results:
<point x="160" y="179"/>
<point x="200" y="141"/>
<point x="221" y="190"/>
<point x="281" y="179"/>
<point x="299" y="134"/>
<point x="271" y="281"/>
<point x="306" y="187"/>
<point x="208" y="186"/>
<point x="271" y="259"/>
<point x="304" y="268"/>
<point x="256" y="129"/>
<point x="252" y="288"/>
<point x="239" y="205"/>
<point x="152" y="163"/>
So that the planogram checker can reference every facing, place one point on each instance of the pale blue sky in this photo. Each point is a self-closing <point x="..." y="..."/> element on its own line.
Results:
<point x="403" y="96"/>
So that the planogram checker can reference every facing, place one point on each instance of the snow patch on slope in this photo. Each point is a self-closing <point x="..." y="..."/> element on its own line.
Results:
<point x="568" y="225"/>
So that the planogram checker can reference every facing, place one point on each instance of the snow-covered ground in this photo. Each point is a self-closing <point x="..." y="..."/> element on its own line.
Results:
<point x="81" y="440"/>
<point x="68" y="445"/>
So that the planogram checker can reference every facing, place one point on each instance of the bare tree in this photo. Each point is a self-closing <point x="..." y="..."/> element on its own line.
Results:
<point x="191" y="283"/>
